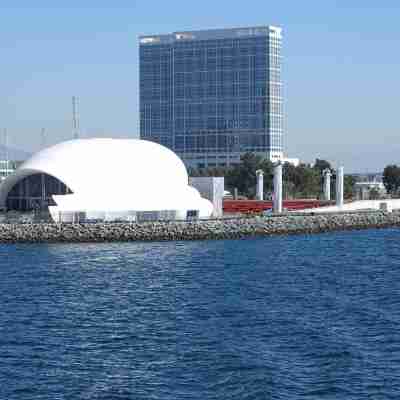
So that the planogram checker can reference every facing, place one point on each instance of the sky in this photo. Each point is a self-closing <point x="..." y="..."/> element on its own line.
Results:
<point x="341" y="69"/>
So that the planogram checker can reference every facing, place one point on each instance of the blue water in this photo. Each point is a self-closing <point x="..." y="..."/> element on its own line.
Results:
<point x="299" y="317"/>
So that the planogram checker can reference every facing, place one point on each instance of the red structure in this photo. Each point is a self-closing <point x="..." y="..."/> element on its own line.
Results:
<point x="254" y="206"/>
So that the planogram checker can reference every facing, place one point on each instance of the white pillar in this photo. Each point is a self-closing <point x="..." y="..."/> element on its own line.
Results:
<point x="277" y="199"/>
<point x="327" y="184"/>
<point x="260" y="184"/>
<point x="339" y="186"/>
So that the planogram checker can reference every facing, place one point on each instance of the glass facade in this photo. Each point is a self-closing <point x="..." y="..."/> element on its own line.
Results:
<point x="211" y="96"/>
<point x="35" y="192"/>
<point x="7" y="167"/>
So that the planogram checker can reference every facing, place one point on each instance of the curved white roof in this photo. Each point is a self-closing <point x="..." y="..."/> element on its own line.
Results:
<point x="114" y="175"/>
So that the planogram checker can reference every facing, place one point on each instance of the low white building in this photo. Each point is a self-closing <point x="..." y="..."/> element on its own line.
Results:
<point x="370" y="185"/>
<point x="211" y="188"/>
<point x="293" y="161"/>
<point x="104" y="179"/>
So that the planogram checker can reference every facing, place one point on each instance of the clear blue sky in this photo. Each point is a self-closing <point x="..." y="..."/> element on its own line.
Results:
<point x="341" y="69"/>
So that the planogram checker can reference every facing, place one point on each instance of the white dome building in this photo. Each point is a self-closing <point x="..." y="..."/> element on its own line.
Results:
<point x="105" y="179"/>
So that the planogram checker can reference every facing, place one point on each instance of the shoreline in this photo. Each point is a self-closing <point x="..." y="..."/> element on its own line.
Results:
<point x="235" y="228"/>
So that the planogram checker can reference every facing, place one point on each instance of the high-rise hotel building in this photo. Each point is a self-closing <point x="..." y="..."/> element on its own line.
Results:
<point x="213" y="95"/>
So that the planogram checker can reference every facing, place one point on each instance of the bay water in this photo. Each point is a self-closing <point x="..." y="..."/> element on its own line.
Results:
<point x="285" y="317"/>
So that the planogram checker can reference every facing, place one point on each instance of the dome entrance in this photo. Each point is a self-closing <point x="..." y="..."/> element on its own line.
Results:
<point x="35" y="192"/>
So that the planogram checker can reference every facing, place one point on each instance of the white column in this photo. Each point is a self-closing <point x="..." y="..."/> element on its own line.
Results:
<point x="277" y="199"/>
<point x="339" y="186"/>
<point x="327" y="184"/>
<point x="260" y="184"/>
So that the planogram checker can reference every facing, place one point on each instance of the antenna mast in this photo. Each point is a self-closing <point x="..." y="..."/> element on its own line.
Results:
<point x="75" y="117"/>
<point x="43" y="138"/>
<point x="6" y="155"/>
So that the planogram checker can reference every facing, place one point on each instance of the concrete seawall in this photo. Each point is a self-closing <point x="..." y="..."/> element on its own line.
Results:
<point x="196" y="230"/>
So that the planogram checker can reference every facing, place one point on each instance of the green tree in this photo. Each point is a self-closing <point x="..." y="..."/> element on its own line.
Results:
<point x="291" y="179"/>
<point x="268" y="169"/>
<point x="320" y="165"/>
<point x="243" y="175"/>
<point x="374" y="194"/>
<point x="391" y="178"/>
<point x="301" y="181"/>
<point x="348" y="186"/>
<point x="194" y="172"/>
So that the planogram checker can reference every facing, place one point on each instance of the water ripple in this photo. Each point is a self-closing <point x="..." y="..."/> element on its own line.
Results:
<point x="305" y="317"/>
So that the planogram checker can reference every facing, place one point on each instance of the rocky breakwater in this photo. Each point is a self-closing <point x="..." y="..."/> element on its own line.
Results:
<point x="194" y="230"/>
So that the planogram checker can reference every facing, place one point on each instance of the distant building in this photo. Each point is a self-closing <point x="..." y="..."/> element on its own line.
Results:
<point x="293" y="161"/>
<point x="213" y="95"/>
<point x="7" y="167"/>
<point x="368" y="177"/>
<point x="367" y="184"/>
